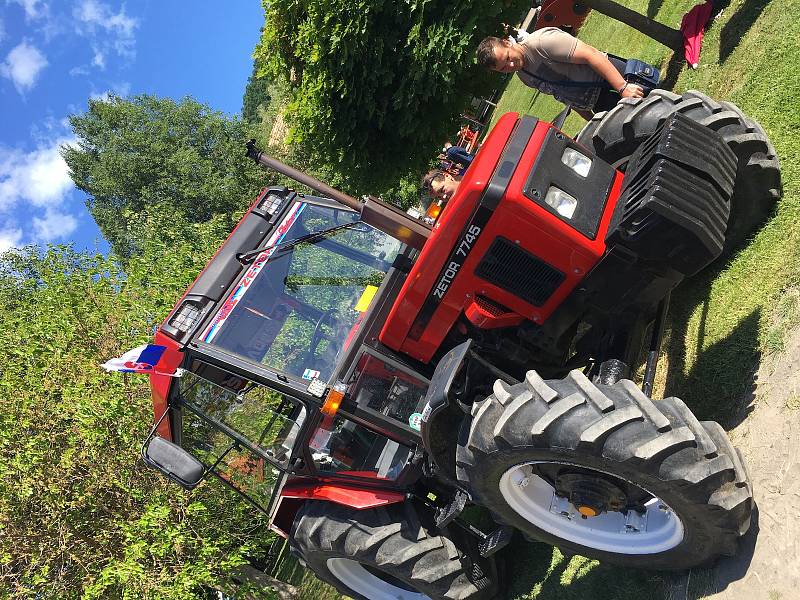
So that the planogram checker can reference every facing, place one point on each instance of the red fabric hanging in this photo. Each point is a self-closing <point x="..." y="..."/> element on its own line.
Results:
<point x="692" y="26"/>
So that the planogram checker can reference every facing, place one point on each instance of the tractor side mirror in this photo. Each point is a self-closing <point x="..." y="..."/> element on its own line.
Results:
<point x="174" y="462"/>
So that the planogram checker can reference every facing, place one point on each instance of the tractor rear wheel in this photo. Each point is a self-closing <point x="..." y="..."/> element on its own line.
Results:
<point x="616" y="134"/>
<point x="605" y="472"/>
<point x="386" y="554"/>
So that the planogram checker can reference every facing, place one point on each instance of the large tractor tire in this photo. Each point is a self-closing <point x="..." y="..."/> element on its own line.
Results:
<point x="386" y="554"/>
<point x="616" y="134"/>
<point x="605" y="472"/>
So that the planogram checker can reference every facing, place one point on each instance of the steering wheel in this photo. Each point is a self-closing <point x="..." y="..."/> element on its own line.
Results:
<point x="319" y="334"/>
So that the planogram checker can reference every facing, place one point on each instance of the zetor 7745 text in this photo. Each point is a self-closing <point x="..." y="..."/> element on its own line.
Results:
<point x="363" y="377"/>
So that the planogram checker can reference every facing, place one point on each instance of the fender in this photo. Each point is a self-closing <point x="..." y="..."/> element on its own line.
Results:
<point x="441" y="418"/>
<point x="294" y="494"/>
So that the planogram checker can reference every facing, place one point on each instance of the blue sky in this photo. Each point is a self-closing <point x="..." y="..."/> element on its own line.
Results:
<point x="56" y="54"/>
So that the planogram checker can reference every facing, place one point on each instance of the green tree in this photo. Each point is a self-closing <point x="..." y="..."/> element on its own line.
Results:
<point x="79" y="515"/>
<point x="376" y="85"/>
<point x="146" y="161"/>
<point x="256" y="96"/>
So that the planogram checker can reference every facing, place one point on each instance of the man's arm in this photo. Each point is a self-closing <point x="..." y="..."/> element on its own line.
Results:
<point x="586" y="54"/>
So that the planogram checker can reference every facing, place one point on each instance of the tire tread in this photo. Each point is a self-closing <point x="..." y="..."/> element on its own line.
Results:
<point x="661" y="441"/>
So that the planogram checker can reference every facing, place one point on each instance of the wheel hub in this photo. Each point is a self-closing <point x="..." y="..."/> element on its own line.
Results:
<point x="591" y="508"/>
<point x="590" y="494"/>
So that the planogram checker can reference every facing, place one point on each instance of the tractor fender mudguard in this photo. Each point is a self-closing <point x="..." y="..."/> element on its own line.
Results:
<point x="346" y="495"/>
<point x="441" y="420"/>
<point x="294" y="494"/>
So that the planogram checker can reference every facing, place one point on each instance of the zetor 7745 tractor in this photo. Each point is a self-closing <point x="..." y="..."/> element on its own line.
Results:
<point x="363" y="378"/>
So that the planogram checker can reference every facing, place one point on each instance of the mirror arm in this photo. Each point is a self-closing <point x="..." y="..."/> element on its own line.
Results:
<point x="152" y="434"/>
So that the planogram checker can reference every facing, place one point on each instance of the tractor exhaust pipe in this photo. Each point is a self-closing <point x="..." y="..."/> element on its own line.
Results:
<point x="381" y="215"/>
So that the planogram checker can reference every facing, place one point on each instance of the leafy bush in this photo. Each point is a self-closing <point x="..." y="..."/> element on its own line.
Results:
<point x="79" y="514"/>
<point x="377" y="84"/>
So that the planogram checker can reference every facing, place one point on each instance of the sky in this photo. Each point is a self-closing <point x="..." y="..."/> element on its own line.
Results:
<point x="56" y="54"/>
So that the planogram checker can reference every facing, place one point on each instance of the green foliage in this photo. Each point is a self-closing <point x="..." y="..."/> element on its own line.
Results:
<point x="377" y="85"/>
<point x="402" y="189"/>
<point x="146" y="157"/>
<point x="79" y="516"/>
<point x="256" y="96"/>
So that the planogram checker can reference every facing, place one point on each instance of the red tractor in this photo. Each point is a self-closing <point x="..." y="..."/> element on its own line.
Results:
<point x="363" y="378"/>
<point x="568" y="15"/>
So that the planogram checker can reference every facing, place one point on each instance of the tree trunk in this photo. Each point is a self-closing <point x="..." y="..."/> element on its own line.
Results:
<point x="671" y="38"/>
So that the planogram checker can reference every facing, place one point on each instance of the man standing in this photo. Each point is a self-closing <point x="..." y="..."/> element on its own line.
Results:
<point x="556" y="63"/>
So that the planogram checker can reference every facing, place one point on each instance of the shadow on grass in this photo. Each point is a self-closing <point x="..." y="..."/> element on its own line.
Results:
<point x="525" y="565"/>
<point x="721" y="383"/>
<point x="674" y="68"/>
<point x="536" y="568"/>
<point x="738" y="25"/>
<point x="653" y="7"/>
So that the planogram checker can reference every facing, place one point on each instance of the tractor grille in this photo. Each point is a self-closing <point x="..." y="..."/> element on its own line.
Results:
<point x="490" y="307"/>
<point x="519" y="272"/>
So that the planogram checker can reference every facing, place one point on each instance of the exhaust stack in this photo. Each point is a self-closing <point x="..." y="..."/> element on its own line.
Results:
<point x="377" y="213"/>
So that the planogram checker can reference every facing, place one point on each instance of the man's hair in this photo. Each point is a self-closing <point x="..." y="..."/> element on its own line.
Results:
<point x="429" y="178"/>
<point x="486" y="51"/>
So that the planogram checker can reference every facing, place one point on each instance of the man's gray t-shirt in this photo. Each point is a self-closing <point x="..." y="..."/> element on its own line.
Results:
<point x="548" y="52"/>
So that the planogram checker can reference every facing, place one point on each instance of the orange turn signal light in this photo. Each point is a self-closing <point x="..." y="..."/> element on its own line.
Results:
<point x="332" y="402"/>
<point x="434" y="210"/>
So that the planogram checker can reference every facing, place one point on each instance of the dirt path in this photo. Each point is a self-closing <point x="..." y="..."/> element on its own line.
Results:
<point x="768" y="564"/>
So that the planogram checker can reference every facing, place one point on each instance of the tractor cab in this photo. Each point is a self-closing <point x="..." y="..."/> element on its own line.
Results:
<point x="266" y="364"/>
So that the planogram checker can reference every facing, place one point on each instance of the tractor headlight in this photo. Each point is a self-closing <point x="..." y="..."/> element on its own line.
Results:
<point x="186" y="316"/>
<point x="271" y="204"/>
<point x="580" y="163"/>
<point x="561" y="201"/>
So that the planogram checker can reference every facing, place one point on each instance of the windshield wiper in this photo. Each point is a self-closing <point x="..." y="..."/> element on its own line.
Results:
<point x="246" y="257"/>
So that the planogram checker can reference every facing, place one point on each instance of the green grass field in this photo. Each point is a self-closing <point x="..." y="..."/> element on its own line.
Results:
<point x="724" y="320"/>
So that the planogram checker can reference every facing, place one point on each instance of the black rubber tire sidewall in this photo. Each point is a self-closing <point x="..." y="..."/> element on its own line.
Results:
<point x="414" y="541"/>
<point x="616" y="134"/>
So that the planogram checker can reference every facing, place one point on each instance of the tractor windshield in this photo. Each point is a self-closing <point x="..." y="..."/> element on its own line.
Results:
<point x="302" y="299"/>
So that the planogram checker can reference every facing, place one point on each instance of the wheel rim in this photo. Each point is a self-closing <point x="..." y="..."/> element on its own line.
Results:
<point x="533" y="498"/>
<point x="353" y="574"/>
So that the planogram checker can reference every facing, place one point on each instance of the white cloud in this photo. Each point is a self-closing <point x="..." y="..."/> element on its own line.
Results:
<point x="23" y="65"/>
<point x="79" y="70"/>
<point x="9" y="238"/>
<point x="48" y="129"/>
<point x="34" y="185"/>
<point x="99" y="14"/>
<point x="121" y="89"/>
<point x="38" y="12"/>
<point x="94" y="17"/>
<point x="39" y="177"/>
<point x="34" y="9"/>
<point x="54" y="225"/>
<point x="99" y="59"/>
